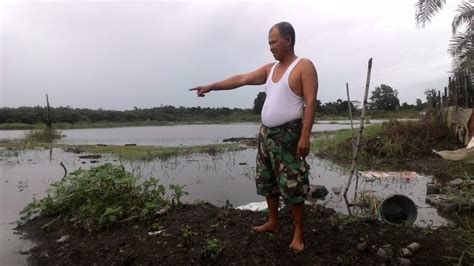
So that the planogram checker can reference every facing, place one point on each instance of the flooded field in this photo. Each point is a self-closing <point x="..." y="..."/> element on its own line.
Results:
<point x="215" y="179"/>
<point x="168" y="135"/>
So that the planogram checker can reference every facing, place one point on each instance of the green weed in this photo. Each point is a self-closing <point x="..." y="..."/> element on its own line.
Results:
<point x="178" y="193"/>
<point x="98" y="198"/>
<point x="213" y="249"/>
<point x="47" y="135"/>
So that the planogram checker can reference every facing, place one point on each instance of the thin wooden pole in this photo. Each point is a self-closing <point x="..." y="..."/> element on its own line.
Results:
<point x="352" y="137"/>
<point x="357" y="147"/>
<point x="350" y="111"/>
<point x="48" y="122"/>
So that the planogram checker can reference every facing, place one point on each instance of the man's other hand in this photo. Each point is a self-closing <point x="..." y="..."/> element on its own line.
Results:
<point x="302" y="149"/>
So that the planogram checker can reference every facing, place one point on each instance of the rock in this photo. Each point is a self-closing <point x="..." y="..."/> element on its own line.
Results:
<point x="413" y="247"/>
<point x="362" y="246"/>
<point x="155" y="233"/>
<point x="456" y="182"/>
<point x="405" y="252"/>
<point x="62" y="239"/>
<point x="389" y="249"/>
<point x="162" y="211"/>
<point x="382" y="253"/>
<point x="373" y="249"/>
<point x="404" y="261"/>
<point x="318" y="192"/>
<point x="441" y="201"/>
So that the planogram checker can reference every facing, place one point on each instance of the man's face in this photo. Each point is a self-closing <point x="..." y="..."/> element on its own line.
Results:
<point x="277" y="43"/>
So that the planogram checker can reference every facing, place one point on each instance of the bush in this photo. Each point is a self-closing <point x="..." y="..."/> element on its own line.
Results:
<point x="391" y="140"/>
<point x="97" y="198"/>
<point x="43" y="135"/>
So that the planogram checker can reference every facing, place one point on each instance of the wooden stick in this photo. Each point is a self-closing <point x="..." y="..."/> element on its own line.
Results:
<point x="48" y="122"/>
<point x="352" y="137"/>
<point x="350" y="111"/>
<point x="357" y="148"/>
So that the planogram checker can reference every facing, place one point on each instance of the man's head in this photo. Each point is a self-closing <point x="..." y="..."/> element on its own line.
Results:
<point x="281" y="39"/>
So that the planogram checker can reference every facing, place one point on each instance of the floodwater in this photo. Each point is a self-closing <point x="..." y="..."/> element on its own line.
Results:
<point x="228" y="176"/>
<point x="169" y="135"/>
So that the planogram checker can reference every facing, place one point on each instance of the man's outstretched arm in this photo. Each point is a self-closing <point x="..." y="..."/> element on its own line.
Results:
<point x="257" y="77"/>
<point x="309" y="80"/>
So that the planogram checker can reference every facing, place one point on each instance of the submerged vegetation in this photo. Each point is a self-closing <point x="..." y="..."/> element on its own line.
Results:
<point x="99" y="198"/>
<point x="47" y="135"/>
<point x="148" y="153"/>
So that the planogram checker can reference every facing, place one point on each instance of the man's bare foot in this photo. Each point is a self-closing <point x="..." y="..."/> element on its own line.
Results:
<point x="267" y="227"/>
<point x="297" y="245"/>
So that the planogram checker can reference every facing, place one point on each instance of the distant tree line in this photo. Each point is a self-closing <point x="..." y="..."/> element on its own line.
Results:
<point x="383" y="99"/>
<point x="38" y="114"/>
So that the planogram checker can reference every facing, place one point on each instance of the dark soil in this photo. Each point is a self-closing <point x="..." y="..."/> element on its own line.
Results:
<point x="329" y="239"/>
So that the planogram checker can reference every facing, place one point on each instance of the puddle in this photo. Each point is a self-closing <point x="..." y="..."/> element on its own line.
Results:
<point x="228" y="176"/>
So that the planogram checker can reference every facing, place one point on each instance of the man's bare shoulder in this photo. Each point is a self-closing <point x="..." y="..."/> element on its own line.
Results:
<point x="267" y="67"/>
<point x="306" y="66"/>
<point x="306" y="63"/>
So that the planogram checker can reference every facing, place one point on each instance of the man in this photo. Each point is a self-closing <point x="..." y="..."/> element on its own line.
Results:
<point x="291" y="86"/>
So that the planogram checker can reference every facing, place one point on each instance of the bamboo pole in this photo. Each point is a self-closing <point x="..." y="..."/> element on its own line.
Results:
<point x="357" y="147"/>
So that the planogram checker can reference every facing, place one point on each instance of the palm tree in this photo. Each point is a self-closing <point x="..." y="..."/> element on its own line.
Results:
<point x="461" y="45"/>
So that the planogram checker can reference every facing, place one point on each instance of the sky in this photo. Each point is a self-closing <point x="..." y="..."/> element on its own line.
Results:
<point x="121" y="55"/>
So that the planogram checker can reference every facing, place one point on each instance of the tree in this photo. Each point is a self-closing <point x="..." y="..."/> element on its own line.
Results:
<point x="384" y="98"/>
<point x="420" y="105"/>
<point x="461" y="45"/>
<point x="258" y="102"/>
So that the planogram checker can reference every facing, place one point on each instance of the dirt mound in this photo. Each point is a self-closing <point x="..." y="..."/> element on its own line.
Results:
<point x="205" y="234"/>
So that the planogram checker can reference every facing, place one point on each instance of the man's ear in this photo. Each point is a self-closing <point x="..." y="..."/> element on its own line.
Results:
<point x="288" y="39"/>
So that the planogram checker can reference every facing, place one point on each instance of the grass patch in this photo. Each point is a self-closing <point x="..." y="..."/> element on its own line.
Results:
<point x="329" y="143"/>
<point x="47" y="135"/>
<point x="132" y="153"/>
<point x="148" y="153"/>
<point x="98" y="198"/>
<point x="392" y="141"/>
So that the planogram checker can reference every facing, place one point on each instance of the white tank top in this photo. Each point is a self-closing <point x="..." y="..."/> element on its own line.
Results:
<point x="281" y="105"/>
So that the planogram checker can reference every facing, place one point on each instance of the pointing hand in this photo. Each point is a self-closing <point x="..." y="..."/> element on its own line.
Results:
<point x="201" y="90"/>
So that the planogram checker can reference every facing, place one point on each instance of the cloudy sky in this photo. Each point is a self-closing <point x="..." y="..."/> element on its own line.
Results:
<point x="118" y="55"/>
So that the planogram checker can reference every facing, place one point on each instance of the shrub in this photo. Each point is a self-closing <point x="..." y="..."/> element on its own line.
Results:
<point x="97" y="198"/>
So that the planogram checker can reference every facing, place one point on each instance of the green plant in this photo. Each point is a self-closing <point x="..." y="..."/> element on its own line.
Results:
<point x="213" y="249"/>
<point x="466" y="233"/>
<point x="186" y="233"/>
<point x="97" y="198"/>
<point x="43" y="135"/>
<point x="178" y="192"/>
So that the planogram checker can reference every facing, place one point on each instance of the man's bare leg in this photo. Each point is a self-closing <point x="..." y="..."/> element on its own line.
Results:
<point x="297" y="244"/>
<point x="273" y="224"/>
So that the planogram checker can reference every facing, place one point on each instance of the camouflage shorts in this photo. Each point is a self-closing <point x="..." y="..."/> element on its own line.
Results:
<point x="279" y="170"/>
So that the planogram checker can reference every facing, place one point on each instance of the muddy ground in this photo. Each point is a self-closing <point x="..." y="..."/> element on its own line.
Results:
<point x="184" y="233"/>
